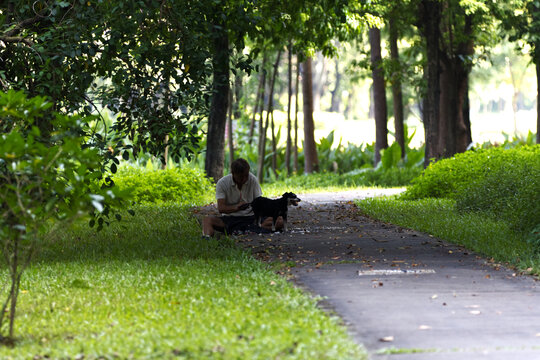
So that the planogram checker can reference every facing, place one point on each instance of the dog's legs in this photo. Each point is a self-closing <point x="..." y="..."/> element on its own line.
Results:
<point x="274" y="224"/>
<point x="285" y="229"/>
<point x="258" y="221"/>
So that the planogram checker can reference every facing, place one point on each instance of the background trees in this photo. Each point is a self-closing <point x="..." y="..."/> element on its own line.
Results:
<point x="165" y="69"/>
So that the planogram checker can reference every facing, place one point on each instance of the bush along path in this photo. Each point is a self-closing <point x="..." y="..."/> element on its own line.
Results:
<point x="403" y="294"/>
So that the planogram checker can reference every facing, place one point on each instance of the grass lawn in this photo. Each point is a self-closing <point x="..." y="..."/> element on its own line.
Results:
<point x="149" y="288"/>
<point x="493" y="239"/>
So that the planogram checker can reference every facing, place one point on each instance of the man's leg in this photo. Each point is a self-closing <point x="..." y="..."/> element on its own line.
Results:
<point x="210" y="223"/>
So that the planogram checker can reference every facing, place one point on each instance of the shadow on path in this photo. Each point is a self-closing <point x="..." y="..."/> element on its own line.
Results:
<point x="402" y="293"/>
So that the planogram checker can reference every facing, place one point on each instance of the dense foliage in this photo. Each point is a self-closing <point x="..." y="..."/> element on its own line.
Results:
<point x="43" y="177"/>
<point x="503" y="183"/>
<point x="183" y="186"/>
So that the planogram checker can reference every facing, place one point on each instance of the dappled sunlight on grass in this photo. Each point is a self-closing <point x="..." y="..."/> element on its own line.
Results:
<point x="150" y="287"/>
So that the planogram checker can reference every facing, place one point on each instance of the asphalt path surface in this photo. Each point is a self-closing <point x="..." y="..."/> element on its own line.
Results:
<point x="401" y="293"/>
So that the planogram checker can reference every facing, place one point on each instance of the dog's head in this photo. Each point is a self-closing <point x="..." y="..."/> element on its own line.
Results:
<point x="292" y="199"/>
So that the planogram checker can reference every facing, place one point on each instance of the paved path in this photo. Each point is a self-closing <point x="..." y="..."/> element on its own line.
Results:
<point x="404" y="294"/>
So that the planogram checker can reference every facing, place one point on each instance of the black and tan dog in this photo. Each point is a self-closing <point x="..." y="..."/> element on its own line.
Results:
<point x="274" y="208"/>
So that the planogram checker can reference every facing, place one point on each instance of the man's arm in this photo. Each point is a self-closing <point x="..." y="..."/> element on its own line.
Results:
<point x="223" y="208"/>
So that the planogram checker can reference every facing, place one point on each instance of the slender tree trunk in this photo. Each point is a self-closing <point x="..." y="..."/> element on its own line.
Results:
<point x="270" y="110"/>
<point x="274" y="141"/>
<point x="336" y="96"/>
<point x="296" y="109"/>
<point x="230" y="129"/>
<point x="318" y="79"/>
<point x="262" y="131"/>
<point x="467" y="115"/>
<point x="515" y="93"/>
<point x="238" y="86"/>
<point x="215" y="146"/>
<point x="259" y="99"/>
<point x="379" y="94"/>
<point x="311" y="160"/>
<point x="14" y="287"/>
<point x="289" y="125"/>
<point x="274" y="144"/>
<point x="430" y="17"/>
<point x="537" y="65"/>
<point x="397" y="93"/>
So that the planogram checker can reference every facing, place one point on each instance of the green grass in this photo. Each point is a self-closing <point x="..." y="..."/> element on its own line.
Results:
<point x="149" y="288"/>
<point x="439" y="217"/>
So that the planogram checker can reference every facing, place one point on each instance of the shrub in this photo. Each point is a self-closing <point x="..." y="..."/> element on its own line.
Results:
<point x="446" y="177"/>
<point x="510" y="192"/>
<point x="505" y="184"/>
<point x="185" y="186"/>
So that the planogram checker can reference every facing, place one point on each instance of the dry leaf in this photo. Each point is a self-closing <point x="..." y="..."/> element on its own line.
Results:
<point x="435" y="296"/>
<point x="475" y="312"/>
<point x="424" y="327"/>
<point x="387" y="339"/>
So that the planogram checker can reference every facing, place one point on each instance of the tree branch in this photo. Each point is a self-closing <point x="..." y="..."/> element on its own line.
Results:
<point x="26" y="23"/>
<point x="16" y="39"/>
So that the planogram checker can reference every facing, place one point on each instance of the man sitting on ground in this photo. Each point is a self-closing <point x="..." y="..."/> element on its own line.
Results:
<point x="234" y="193"/>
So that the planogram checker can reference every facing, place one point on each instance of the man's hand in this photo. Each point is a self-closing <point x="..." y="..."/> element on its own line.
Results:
<point x="243" y="206"/>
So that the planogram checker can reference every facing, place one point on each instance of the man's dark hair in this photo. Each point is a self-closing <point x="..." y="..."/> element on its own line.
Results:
<point x="239" y="166"/>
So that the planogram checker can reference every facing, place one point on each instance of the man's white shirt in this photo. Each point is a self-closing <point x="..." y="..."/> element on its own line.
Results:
<point x="226" y="189"/>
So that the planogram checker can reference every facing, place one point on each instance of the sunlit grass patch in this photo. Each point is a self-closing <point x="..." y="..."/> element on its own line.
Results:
<point x="149" y="288"/>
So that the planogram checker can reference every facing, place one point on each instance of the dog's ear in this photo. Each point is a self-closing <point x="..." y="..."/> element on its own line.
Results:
<point x="285" y="194"/>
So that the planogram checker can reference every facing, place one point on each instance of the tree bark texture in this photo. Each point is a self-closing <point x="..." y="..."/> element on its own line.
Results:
<point x="215" y="146"/>
<point x="430" y="17"/>
<point x="379" y="93"/>
<point x="311" y="160"/>
<point x="454" y="132"/>
<point x="397" y="93"/>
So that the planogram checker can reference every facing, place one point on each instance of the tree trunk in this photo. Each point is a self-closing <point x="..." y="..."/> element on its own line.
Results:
<point x="430" y="18"/>
<point x="397" y="93"/>
<point x="515" y="94"/>
<point x="269" y="111"/>
<point x="296" y="91"/>
<point x="238" y="85"/>
<point x="215" y="146"/>
<point x="454" y="130"/>
<point x="318" y="80"/>
<point x="271" y="101"/>
<point x="259" y="100"/>
<point x="336" y="96"/>
<point x="537" y="101"/>
<point x="311" y="160"/>
<point x="230" y="129"/>
<point x="289" y="125"/>
<point x="379" y="94"/>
